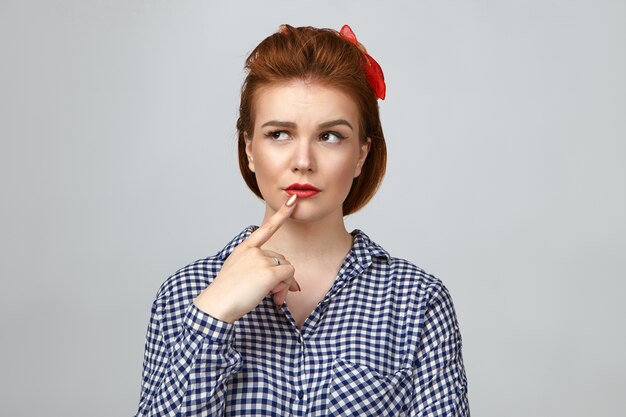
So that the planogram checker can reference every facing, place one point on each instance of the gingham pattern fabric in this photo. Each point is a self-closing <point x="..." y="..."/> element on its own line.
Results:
<point x="383" y="342"/>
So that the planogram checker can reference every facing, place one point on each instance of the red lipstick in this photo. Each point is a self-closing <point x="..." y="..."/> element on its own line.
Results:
<point x="302" y="190"/>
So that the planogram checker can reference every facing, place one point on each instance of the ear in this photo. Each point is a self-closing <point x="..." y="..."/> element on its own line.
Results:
<point x="363" y="152"/>
<point x="249" y="151"/>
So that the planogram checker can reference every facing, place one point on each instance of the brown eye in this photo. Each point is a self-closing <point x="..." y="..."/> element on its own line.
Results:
<point x="278" y="135"/>
<point x="331" y="137"/>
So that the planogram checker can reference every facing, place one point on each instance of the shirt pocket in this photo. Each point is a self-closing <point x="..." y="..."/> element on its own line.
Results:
<point x="358" y="390"/>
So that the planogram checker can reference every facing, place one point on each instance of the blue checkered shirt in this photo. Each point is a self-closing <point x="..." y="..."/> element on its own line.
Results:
<point x="383" y="342"/>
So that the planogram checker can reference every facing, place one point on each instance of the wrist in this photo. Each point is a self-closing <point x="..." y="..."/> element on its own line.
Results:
<point x="213" y="307"/>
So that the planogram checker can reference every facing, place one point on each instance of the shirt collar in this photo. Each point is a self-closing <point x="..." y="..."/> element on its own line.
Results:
<point x="362" y="252"/>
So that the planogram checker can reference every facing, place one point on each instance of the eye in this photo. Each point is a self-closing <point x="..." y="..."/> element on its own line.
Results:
<point x="277" y="135"/>
<point x="332" y="137"/>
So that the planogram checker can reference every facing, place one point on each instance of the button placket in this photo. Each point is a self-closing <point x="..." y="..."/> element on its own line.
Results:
<point x="301" y="386"/>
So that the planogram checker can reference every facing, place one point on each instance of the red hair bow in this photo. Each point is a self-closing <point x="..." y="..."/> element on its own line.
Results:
<point x="373" y="72"/>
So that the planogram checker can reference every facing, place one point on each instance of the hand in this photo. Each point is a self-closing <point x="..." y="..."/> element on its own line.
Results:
<point x="250" y="273"/>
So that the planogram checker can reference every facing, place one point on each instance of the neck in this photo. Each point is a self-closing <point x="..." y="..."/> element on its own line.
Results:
<point x="318" y="239"/>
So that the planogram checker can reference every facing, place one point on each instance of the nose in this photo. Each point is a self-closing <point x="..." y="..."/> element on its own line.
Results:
<point x="303" y="157"/>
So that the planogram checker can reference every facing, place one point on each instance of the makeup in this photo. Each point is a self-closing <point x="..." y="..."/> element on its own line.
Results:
<point x="302" y="190"/>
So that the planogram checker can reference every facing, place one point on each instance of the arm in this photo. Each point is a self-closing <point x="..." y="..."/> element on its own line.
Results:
<point x="188" y="378"/>
<point x="439" y="380"/>
<point x="185" y="373"/>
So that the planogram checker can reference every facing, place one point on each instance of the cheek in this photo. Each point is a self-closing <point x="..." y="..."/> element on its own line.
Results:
<point x="268" y="167"/>
<point x="343" y="173"/>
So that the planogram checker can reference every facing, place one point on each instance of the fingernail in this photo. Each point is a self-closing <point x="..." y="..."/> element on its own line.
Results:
<point x="298" y="285"/>
<point x="291" y="200"/>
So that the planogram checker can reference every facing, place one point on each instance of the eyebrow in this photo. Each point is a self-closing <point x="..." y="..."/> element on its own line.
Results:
<point x="277" y="123"/>
<point x="336" y="123"/>
<point x="324" y="125"/>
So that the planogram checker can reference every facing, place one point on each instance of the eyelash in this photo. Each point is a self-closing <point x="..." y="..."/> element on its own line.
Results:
<point x="272" y="135"/>
<point x="337" y="134"/>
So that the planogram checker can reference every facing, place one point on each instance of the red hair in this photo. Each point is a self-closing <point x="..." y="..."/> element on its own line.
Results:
<point x="317" y="56"/>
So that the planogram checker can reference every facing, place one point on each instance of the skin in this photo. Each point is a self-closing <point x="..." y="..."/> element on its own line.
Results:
<point x="305" y="152"/>
<point x="303" y="133"/>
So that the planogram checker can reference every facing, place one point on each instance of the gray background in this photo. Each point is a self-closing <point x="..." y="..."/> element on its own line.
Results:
<point x="505" y="123"/>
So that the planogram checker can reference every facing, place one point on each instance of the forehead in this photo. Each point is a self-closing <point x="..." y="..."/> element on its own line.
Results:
<point x="302" y="102"/>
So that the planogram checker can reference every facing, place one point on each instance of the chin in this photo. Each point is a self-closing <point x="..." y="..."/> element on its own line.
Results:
<point x="308" y="211"/>
<point x="305" y="216"/>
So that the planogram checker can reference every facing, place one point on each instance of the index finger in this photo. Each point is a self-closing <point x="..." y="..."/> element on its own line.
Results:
<point x="265" y="232"/>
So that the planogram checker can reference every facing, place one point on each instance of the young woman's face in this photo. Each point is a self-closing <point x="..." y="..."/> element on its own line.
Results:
<point x="306" y="138"/>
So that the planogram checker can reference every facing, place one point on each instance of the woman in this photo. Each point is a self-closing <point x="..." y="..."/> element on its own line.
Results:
<point x="298" y="316"/>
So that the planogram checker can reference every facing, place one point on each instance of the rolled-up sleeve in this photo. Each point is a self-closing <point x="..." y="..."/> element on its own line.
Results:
<point x="186" y="376"/>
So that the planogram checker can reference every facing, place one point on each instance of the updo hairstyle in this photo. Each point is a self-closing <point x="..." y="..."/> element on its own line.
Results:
<point x="315" y="56"/>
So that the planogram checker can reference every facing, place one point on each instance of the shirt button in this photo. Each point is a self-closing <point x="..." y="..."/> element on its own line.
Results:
<point x="300" y="395"/>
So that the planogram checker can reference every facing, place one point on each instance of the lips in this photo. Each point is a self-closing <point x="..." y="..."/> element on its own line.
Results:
<point x="302" y="190"/>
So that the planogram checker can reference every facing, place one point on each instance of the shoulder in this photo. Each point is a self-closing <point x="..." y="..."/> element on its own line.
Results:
<point x="402" y="271"/>
<point x="422" y="289"/>
<point x="187" y="282"/>
<point x="201" y="271"/>
<point x="190" y="280"/>
<point x="416" y="285"/>
<point x="407" y="271"/>
<point x="420" y="298"/>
